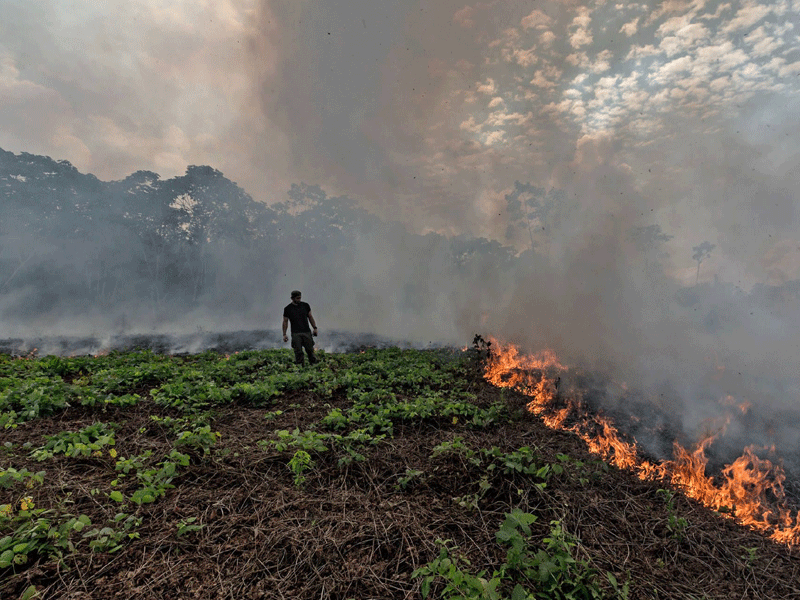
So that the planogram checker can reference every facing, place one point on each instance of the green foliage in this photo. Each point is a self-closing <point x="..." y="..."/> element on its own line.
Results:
<point x="348" y="446"/>
<point x="299" y="464"/>
<point x="457" y="582"/>
<point x="35" y="397"/>
<point x="155" y="482"/>
<point x="676" y="525"/>
<point x="90" y="440"/>
<point x="188" y="525"/>
<point x="199" y="437"/>
<point x="111" y="537"/>
<point x="10" y="477"/>
<point x="36" y="532"/>
<point x="750" y="555"/>
<point x="411" y="475"/>
<point x="530" y="571"/>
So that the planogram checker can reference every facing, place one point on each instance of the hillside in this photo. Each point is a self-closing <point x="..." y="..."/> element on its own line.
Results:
<point x="376" y="474"/>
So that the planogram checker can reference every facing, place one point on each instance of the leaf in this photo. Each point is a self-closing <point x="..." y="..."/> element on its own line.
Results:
<point x="29" y="593"/>
<point x="519" y="593"/>
<point x="116" y="496"/>
<point x="6" y="558"/>
<point x="426" y="586"/>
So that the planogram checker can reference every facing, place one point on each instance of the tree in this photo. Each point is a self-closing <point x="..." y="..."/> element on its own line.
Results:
<point x="648" y="241"/>
<point x="530" y="205"/>
<point x="701" y="252"/>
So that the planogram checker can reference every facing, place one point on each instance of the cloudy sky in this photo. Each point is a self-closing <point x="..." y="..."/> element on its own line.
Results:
<point x="676" y="113"/>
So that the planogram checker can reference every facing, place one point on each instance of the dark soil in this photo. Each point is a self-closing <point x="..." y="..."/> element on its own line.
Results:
<point x="355" y="532"/>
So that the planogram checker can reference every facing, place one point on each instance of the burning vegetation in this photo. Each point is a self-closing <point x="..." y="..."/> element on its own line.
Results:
<point x="750" y="489"/>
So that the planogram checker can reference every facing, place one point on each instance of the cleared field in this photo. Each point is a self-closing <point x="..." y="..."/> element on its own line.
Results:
<point x="377" y="474"/>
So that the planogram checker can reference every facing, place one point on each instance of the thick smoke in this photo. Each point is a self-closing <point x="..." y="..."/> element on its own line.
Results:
<point x="667" y="258"/>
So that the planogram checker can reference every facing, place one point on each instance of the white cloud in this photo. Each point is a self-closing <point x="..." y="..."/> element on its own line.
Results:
<point x="493" y="138"/>
<point x="490" y="87"/>
<point x="496" y="101"/>
<point x="470" y="125"/>
<point x="536" y="20"/>
<point x="762" y="43"/>
<point x="724" y="56"/>
<point x="500" y="118"/>
<point x="602" y="62"/>
<point x="540" y="80"/>
<point x="747" y="16"/>
<point x="546" y="77"/>
<point x="720" y="83"/>
<point x="547" y="38"/>
<point x="668" y="71"/>
<point x="581" y="36"/>
<point x="525" y="58"/>
<point x="642" y="52"/>
<point x="789" y="70"/>
<point x="630" y="28"/>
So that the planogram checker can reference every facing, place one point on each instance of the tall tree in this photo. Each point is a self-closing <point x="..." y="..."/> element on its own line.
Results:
<point x="701" y="252"/>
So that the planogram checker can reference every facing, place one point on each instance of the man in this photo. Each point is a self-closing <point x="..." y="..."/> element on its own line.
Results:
<point x="299" y="314"/>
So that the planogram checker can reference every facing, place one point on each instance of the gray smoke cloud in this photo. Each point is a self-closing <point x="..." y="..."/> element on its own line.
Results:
<point x="678" y="116"/>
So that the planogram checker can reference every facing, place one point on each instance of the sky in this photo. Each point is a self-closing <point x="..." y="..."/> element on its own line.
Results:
<point x="676" y="113"/>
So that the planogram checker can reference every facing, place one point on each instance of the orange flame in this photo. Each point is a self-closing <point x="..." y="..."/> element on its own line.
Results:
<point x="751" y="489"/>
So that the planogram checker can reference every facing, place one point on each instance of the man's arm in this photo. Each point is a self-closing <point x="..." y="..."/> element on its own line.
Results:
<point x="313" y="322"/>
<point x="285" y="325"/>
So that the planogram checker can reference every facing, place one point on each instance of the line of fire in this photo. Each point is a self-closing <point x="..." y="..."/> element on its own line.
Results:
<point x="749" y="489"/>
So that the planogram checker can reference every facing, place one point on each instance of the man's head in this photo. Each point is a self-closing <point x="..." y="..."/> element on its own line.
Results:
<point x="296" y="296"/>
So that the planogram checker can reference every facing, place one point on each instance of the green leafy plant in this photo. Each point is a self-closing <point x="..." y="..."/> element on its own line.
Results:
<point x="36" y="532"/>
<point x="676" y="525"/>
<point x="299" y="464"/>
<point x="411" y="475"/>
<point x="88" y="441"/>
<point x="549" y="572"/>
<point x="11" y="476"/>
<point x="188" y="525"/>
<point x="110" y="538"/>
<point x="750" y="554"/>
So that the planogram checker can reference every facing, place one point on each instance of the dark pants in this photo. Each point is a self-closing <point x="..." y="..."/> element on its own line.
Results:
<point x="300" y="341"/>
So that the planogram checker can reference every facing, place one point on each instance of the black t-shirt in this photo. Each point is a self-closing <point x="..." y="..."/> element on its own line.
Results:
<point x="298" y="316"/>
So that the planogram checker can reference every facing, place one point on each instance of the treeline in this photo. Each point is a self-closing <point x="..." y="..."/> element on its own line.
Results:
<point x="72" y="244"/>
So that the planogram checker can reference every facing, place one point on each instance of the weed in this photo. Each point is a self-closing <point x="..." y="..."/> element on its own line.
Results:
<point x="675" y="525"/>
<point x="750" y="555"/>
<point x="36" y="532"/>
<point x="299" y="464"/>
<point x="10" y="476"/>
<point x="85" y="442"/>
<point x="188" y="525"/>
<point x="412" y="475"/>
<point x="550" y="572"/>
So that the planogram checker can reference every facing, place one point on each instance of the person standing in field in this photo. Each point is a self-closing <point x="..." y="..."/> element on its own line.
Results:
<point x="299" y="314"/>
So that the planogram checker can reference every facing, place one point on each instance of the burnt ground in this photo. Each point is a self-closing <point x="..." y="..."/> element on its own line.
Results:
<point x="358" y="530"/>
